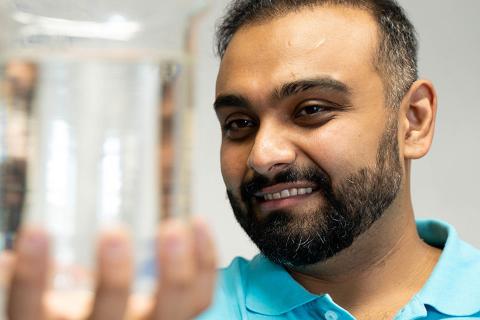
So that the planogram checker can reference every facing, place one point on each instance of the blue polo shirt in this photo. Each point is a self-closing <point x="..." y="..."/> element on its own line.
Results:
<point x="260" y="290"/>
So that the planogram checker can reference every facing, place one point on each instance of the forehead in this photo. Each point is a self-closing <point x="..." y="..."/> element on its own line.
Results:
<point x="336" y="41"/>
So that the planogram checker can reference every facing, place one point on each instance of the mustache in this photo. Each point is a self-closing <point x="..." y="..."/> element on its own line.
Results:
<point x="293" y="174"/>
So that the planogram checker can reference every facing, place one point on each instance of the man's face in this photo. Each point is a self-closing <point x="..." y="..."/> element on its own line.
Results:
<point x="309" y="151"/>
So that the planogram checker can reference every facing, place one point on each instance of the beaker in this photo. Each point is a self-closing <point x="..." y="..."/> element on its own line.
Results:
<point x="95" y="124"/>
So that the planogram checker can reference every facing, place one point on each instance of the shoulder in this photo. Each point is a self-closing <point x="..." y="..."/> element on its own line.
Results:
<point x="454" y="285"/>
<point x="457" y="255"/>
<point x="464" y="260"/>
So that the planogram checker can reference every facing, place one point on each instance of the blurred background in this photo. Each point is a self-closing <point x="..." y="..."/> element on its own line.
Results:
<point x="444" y="184"/>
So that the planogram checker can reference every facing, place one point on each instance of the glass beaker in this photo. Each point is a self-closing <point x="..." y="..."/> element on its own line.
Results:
<point x="95" y="108"/>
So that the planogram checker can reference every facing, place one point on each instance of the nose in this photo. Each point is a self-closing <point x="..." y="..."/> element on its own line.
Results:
<point x="272" y="151"/>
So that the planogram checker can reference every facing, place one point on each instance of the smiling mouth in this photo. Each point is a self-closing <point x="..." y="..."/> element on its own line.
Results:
<point x="283" y="194"/>
<point x="283" y="197"/>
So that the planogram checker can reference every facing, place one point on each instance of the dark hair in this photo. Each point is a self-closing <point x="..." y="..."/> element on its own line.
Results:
<point x="396" y="56"/>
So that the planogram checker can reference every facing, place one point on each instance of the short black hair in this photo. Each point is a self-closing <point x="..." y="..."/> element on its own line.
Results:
<point x="396" y="56"/>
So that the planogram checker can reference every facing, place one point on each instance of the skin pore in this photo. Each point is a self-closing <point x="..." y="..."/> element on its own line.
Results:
<point x="339" y="131"/>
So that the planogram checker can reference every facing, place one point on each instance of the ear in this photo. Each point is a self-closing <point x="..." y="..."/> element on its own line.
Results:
<point x="418" y="112"/>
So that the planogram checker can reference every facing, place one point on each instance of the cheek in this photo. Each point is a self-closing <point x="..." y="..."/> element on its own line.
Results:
<point x="233" y="161"/>
<point x="341" y="149"/>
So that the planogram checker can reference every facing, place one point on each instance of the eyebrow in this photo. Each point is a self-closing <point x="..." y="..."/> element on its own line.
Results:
<point x="324" y="83"/>
<point x="230" y="100"/>
<point x="284" y="91"/>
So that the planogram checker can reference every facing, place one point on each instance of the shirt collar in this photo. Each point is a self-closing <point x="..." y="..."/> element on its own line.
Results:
<point x="271" y="290"/>
<point x="454" y="285"/>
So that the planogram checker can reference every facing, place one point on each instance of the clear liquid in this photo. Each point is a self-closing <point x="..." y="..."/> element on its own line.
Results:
<point x="89" y="143"/>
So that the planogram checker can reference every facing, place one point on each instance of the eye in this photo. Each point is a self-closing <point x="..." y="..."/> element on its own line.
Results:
<point x="310" y="110"/>
<point x="238" y="128"/>
<point x="239" y="124"/>
<point x="314" y="113"/>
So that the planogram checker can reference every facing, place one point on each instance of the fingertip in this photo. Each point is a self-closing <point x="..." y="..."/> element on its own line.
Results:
<point x="201" y="229"/>
<point x="200" y="224"/>
<point x="31" y="249"/>
<point x="176" y="262"/>
<point x="173" y="238"/>
<point x="7" y="259"/>
<point x="31" y="241"/>
<point x="29" y="274"/>
<point x="7" y="264"/>
<point x="114" y="274"/>
<point x="115" y="265"/>
<point x="204" y="244"/>
<point x="175" y="244"/>
<point x="114" y="242"/>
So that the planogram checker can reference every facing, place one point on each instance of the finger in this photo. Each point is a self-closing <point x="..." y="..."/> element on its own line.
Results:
<point x="29" y="277"/>
<point x="176" y="271"/>
<point x="7" y="265"/>
<point x="115" y="269"/>
<point x="205" y="253"/>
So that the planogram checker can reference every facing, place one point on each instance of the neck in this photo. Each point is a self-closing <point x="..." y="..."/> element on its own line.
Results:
<point x="385" y="266"/>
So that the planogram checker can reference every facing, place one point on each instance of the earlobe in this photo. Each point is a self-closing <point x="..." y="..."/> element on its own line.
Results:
<point x="419" y="110"/>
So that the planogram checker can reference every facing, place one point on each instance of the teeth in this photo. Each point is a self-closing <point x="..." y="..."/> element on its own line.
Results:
<point x="287" y="193"/>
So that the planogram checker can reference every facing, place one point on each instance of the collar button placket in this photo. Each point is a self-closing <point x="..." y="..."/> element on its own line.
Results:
<point x="331" y="315"/>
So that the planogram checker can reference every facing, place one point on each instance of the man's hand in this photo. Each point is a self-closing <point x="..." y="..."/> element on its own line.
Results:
<point x="185" y="287"/>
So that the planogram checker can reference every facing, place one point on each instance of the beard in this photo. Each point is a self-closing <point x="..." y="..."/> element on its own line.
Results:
<point x="315" y="235"/>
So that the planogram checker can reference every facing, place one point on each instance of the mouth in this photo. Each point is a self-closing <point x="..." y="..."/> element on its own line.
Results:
<point x="283" y="195"/>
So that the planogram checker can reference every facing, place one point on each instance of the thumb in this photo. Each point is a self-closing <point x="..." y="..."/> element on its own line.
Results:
<point x="29" y="276"/>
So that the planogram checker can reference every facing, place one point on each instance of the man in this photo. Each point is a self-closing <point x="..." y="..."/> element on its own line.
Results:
<point x="322" y="113"/>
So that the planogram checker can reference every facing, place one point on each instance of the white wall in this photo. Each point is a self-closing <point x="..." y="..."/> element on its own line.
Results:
<point x="444" y="183"/>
